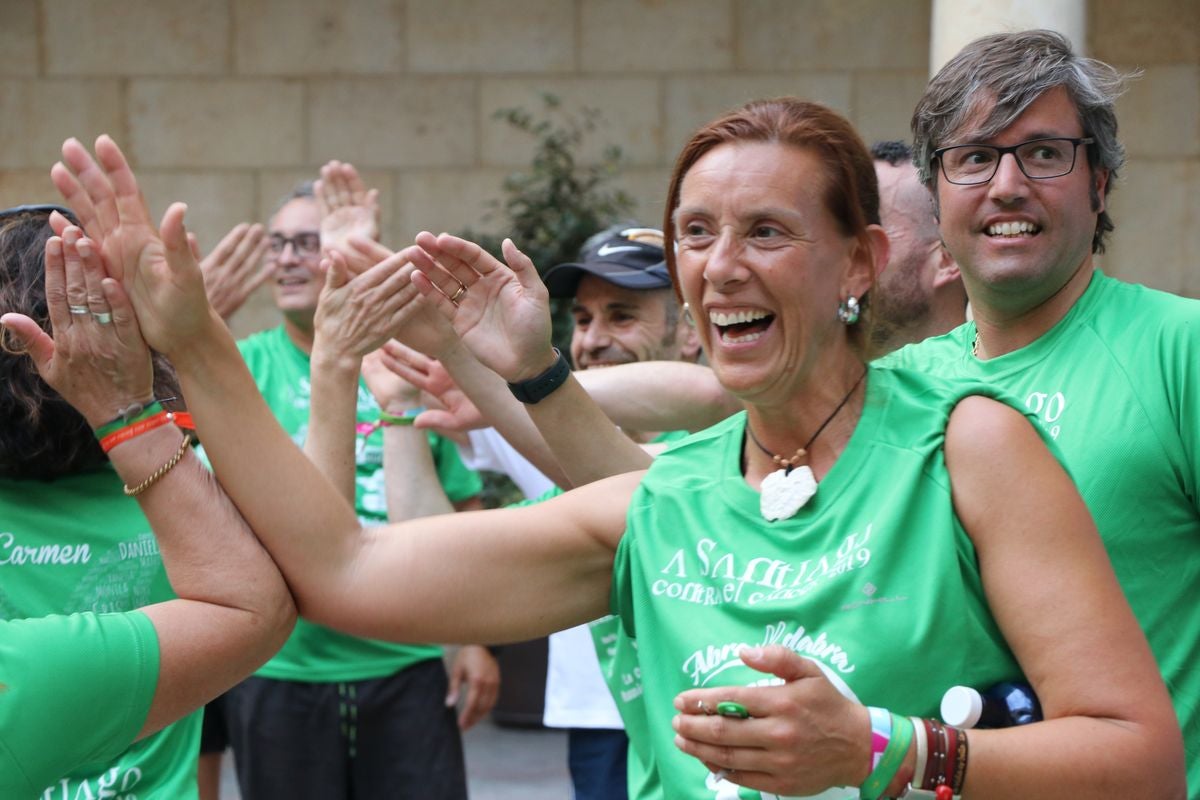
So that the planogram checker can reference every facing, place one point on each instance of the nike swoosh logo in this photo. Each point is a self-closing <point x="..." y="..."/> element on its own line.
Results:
<point x="608" y="249"/>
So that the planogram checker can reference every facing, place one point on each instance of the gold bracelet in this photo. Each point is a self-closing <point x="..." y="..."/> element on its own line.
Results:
<point x="163" y="470"/>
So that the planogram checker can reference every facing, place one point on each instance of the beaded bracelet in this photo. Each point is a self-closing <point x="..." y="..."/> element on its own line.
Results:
<point x="157" y="475"/>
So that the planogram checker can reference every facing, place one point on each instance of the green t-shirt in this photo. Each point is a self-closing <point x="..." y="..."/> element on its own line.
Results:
<point x="78" y="544"/>
<point x="74" y="690"/>
<point x="314" y="652"/>
<point x="1116" y="383"/>
<point x="875" y="579"/>
<point x="617" y="657"/>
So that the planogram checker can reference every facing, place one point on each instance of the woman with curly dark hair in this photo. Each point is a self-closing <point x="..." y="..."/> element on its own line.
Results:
<point x="91" y="688"/>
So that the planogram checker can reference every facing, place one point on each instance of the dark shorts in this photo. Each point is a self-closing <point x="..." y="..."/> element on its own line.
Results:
<point x="387" y="737"/>
<point x="214" y="734"/>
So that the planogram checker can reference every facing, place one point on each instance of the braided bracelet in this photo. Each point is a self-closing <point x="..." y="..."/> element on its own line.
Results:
<point x="157" y="475"/>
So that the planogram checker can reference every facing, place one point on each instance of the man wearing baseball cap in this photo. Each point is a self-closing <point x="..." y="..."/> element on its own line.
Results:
<point x="624" y="308"/>
<point x="624" y="311"/>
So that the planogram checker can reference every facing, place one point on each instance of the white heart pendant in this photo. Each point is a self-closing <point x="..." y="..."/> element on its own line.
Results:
<point x="785" y="493"/>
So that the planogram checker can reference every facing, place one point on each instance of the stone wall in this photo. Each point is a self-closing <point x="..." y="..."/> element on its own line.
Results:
<point x="227" y="103"/>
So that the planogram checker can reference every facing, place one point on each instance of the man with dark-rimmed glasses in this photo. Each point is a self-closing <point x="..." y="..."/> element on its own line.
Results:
<point x="1016" y="139"/>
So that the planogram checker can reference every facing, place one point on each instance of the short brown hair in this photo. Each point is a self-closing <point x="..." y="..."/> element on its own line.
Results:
<point x="851" y="187"/>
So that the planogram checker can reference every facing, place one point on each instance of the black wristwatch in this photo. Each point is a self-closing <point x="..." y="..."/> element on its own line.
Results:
<point x="541" y="386"/>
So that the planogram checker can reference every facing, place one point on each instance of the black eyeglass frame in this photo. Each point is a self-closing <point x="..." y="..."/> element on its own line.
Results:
<point x="277" y="243"/>
<point x="1001" y="151"/>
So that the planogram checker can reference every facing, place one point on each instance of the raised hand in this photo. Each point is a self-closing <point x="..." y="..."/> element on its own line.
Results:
<point x="236" y="267"/>
<point x="156" y="267"/>
<point x="456" y="414"/>
<point x="391" y="391"/>
<point x="355" y="315"/>
<point x="501" y="312"/>
<point x="348" y="208"/>
<point x="803" y="735"/>
<point x="94" y="355"/>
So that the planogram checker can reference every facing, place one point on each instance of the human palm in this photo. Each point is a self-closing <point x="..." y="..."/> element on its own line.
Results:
<point x="503" y="316"/>
<point x="155" y="266"/>
<point x="348" y="208"/>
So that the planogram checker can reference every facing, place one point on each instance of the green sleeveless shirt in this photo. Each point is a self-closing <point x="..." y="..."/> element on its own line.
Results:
<point x="875" y="579"/>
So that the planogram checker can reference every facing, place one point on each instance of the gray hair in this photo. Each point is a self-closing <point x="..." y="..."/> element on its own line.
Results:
<point x="1014" y="70"/>
<point x="302" y="190"/>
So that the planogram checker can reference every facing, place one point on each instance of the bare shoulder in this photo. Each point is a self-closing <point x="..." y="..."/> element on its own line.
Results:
<point x="986" y="428"/>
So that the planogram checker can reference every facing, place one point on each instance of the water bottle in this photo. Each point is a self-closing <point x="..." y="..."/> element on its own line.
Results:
<point x="1001" y="706"/>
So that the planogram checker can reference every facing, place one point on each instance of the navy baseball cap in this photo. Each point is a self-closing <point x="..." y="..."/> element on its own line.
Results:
<point x="631" y="258"/>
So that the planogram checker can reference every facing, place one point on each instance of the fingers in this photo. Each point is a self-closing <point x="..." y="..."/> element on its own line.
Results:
<point x="405" y="370"/>
<point x="93" y="278"/>
<point x="781" y="662"/>
<point x="336" y="274"/>
<point x="432" y="294"/>
<point x="465" y="261"/>
<point x="521" y="265"/>
<point x="194" y="244"/>
<point x="251" y="249"/>
<point x="370" y="248"/>
<point x="475" y="706"/>
<point x="127" y="196"/>
<point x="79" y="304"/>
<point x="74" y="195"/>
<point x="20" y="334"/>
<point x="56" y="285"/>
<point x="94" y="184"/>
<point x="409" y="356"/>
<point x="174" y="238"/>
<point x="123" y="318"/>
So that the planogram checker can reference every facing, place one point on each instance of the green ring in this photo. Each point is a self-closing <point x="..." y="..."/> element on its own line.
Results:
<point x="728" y="708"/>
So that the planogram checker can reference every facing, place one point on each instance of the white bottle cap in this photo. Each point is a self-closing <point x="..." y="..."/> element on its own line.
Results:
<point x="962" y="707"/>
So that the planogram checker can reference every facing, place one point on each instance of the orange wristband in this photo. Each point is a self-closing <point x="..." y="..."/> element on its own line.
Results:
<point x="182" y="418"/>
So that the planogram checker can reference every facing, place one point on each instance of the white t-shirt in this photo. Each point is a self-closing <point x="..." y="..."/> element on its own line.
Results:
<point x="576" y="695"/>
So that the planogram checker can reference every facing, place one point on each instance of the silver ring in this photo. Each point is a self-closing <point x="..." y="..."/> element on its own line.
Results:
<point x="103" y="317"/>
<point x="78" y="310"/>
<point x="462" y="289"/>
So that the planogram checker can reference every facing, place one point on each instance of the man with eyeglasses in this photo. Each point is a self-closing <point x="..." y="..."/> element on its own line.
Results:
<point x="1016" y="139"/>
<point x="332" y="715"/>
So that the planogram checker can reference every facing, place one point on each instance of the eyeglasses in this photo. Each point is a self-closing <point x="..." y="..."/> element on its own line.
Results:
<point x="1039" y="159"/>
<point x="305" y="243"/>
<point x="40" y="208"/>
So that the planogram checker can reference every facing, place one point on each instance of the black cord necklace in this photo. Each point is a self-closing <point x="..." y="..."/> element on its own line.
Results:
<point x="788" y="464"/>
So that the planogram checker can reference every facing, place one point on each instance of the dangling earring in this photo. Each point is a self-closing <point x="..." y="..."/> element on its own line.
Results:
<point x="687" y="316"/>
<point x="847" y="312"/>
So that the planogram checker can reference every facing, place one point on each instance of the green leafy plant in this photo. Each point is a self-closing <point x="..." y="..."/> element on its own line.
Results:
<point x="550" y="209"/>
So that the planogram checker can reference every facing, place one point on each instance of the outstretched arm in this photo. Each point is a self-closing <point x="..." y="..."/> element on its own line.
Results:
<point x="354" y="315"/>
<point x="482" y="576"/>
<point x="659" y="395"/>
<point x="502" y="315"/>
<point x="234" y="610"/>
